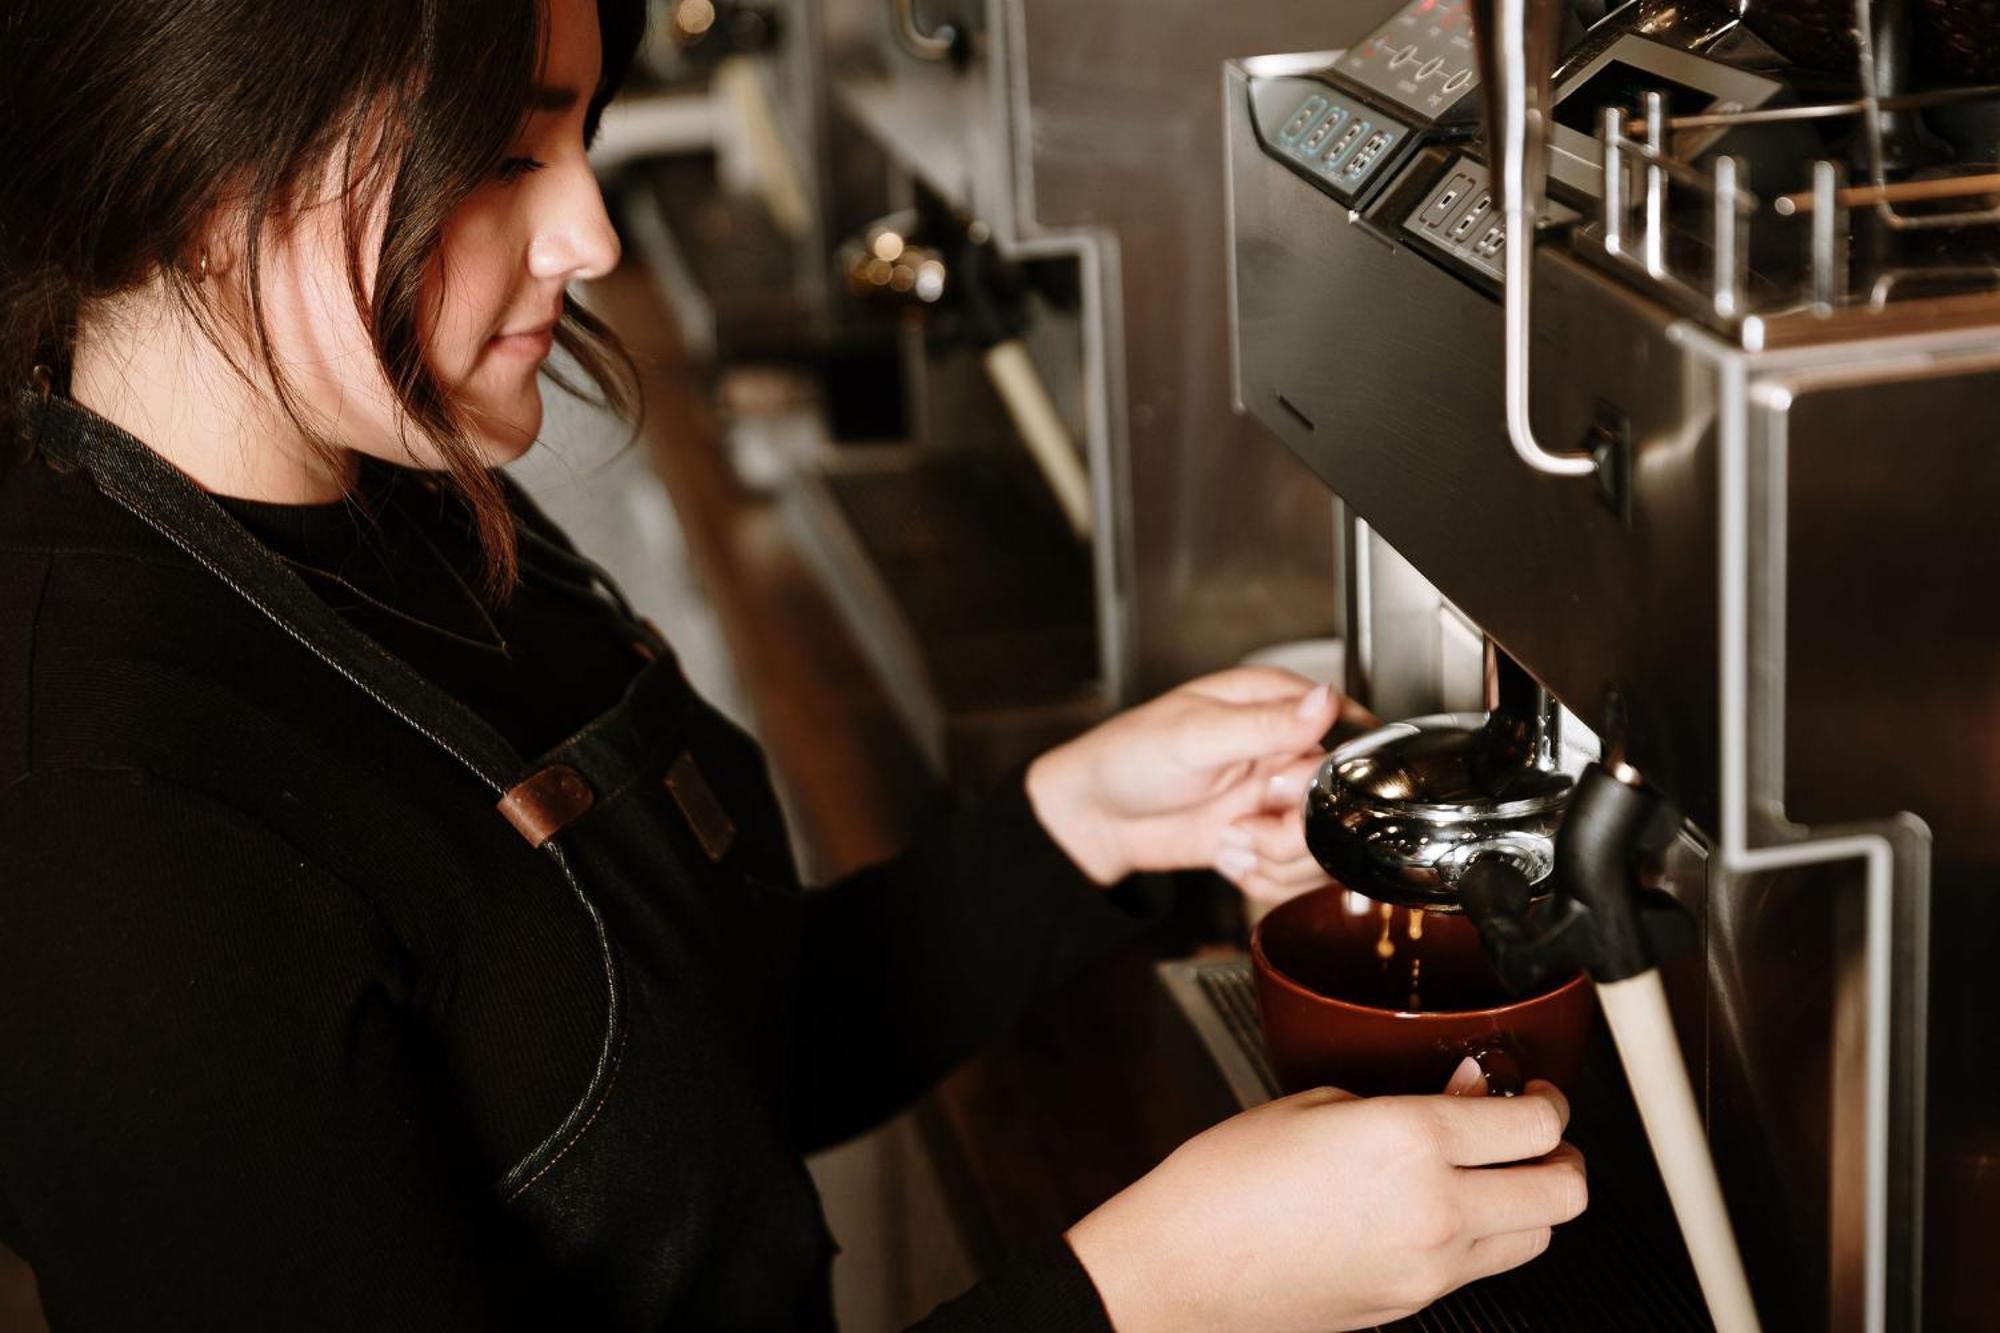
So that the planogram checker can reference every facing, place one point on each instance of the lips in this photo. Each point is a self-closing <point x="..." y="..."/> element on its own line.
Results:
<point x="534" y="342"/>
<point x="533" y="330"/>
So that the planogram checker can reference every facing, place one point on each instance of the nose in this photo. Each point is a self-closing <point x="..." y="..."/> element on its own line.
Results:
<point x="573" y="239"/>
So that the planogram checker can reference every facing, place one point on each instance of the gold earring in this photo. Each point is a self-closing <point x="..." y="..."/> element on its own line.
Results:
<point x="203" y="275"/>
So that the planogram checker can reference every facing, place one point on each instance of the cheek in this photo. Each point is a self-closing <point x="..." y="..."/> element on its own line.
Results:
<point x="318" y="338"/>
<point x="478" y="269"/>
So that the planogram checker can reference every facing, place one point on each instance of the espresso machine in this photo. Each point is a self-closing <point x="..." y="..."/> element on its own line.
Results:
<point x="1655" y="349"/>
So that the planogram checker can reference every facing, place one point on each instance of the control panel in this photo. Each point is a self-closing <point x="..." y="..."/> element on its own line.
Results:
<point x="1350" y="127"/>
<point x="1422" y="60"/>
<point x="1461" y="217"/>
<point x="1336" y="141"/>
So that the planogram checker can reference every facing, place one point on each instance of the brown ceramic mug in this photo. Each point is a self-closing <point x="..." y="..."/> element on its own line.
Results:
<point x="1343" y="1006"/>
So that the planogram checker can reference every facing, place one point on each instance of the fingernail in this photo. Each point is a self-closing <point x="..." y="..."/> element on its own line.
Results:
<point x="1284" y="784"/>
<point x="1235" y="863"/>
<point x="1466" y="1080"/>
<point x="1315" y="703"/>
<point x="1235" y="837"/>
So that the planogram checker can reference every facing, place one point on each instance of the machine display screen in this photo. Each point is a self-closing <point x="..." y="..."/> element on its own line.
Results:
<point x="1422" y="60"/>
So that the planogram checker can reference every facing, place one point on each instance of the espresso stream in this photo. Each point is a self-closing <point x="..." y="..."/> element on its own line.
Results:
<point x="1412" y="960"/>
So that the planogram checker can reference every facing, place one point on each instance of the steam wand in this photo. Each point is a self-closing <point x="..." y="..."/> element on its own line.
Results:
<point x="1603" y="920"/>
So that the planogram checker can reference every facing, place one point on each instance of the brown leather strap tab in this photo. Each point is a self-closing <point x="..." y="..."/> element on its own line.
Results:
<point x="547" y="802"/>
<point x="644" y="648"/>
<point x="712" y="826"/>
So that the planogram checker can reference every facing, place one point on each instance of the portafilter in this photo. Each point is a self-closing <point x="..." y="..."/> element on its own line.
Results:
<point x="1401" y="813"/>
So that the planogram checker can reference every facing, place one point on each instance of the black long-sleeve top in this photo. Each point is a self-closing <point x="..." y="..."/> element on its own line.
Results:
<point x="278" y="994"/>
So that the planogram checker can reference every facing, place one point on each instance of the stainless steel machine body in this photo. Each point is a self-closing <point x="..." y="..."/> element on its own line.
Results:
<point x="1771" y="596"/>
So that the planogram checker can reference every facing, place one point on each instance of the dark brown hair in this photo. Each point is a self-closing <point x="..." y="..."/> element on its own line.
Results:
<point x="127" y="125"/>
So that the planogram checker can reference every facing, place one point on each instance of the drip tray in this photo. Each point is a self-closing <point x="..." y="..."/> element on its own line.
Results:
<point x="1620" y="1266"/>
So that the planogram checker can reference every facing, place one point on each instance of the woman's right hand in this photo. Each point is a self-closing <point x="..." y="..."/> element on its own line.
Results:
<point x="1328" y="1211"/>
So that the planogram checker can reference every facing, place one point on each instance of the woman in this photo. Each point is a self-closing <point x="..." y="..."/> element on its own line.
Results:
<point x="388" y="937"/>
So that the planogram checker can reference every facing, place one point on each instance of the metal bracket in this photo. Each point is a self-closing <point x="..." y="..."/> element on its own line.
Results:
<point x="1609" y="444"/>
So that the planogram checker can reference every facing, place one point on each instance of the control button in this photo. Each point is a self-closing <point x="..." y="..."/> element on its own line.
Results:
<point x="1302" y="119"/>
<point x="1343" y="143"/>
<point x="1403" y="57"/>
<point x="1325" y="131"/>
<point x="1429" y="67"/>
<point x="1446" y="199"/>
<point x="1457" y="81"/>
<point x="1474" y="215"/>
<point x="1370" y="151"/>
<point x="1493" y="242"/>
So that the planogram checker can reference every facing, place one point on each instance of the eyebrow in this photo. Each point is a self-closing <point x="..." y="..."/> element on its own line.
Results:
<point x="542" y="97"/>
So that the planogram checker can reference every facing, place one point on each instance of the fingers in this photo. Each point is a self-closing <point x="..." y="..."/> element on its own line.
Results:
<point x="1235" y="732"/>
<point x="1468" y="1080"/>
<point x="1266" y="857"/>
<point x="1497" y="1254"/>
<point x="1268" y="883"/>
<point x="1524" y="1198"/>
<point x="1285" y="789"/>
<point x="1482" y="1131"/>
<point x="1541" y="1087"/>
<point x="1321" y="1096"/>
<point x="1265" y="854"/>
<point x="1275" y="838"/>
<point x="1249" y="685"/>
<point x="1272" y="840"/>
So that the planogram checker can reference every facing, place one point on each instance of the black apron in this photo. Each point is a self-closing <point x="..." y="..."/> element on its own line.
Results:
<point x="671" y="1195"/>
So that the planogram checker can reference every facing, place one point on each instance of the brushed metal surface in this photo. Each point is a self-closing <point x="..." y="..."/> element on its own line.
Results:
<point x="1889" y="676"/>
<point x="1396" y="365"/>
<point x="1814" y="518"/>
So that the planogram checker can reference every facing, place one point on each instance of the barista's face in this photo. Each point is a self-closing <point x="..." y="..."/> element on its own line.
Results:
<point x="512" y="248"/>
<point x="493" y="297"/>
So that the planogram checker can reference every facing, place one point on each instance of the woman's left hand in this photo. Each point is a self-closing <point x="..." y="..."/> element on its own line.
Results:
<point x="1211" y="774"/>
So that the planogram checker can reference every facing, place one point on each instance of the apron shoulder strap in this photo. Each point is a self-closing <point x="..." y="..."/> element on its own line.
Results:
<point x="167" y="500"/>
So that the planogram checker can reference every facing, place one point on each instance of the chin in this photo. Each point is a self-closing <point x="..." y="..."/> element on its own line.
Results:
<point x="504" y="449"/>
<point x="507" y="433"/>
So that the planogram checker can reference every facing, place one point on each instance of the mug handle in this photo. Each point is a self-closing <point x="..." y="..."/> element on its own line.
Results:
<point x="1500" y="1066"/>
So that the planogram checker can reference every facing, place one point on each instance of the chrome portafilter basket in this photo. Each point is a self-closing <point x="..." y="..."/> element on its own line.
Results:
<point x="1401" y="813"/>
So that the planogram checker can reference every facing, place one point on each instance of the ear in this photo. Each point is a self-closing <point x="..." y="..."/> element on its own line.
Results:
<point x="217" y="249"/>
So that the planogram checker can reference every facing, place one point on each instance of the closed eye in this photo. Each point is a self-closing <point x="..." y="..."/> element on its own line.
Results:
<point x="513" y="168"/>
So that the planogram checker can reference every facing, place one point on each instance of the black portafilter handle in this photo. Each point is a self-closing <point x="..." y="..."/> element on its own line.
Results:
<point x="1600" y="917"/>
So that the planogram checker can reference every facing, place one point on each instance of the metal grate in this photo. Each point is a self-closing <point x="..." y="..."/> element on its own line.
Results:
<point x="1620" y="1266"/>
<point x="1229" y="988"/>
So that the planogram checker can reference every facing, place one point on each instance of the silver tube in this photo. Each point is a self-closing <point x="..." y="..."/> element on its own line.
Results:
<point x="1518" y="146"/>
<point x="1656" y="186"/>
<point x="1729" y="258"/>
<point x="1826" y="221"/>
<point x="1612" y="204"/>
